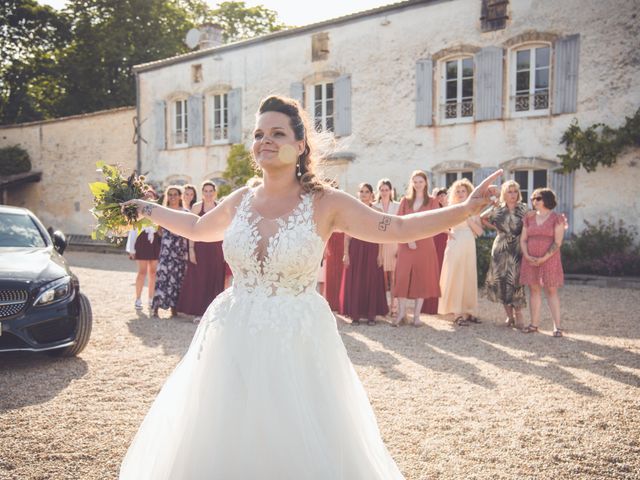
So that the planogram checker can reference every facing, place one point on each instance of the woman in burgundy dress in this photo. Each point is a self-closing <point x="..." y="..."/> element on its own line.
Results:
<point x="362" y="294"/>
<point x="541" y="238"/>
<point x="417" y="264"/>
<point x="430" y="305"/>
<point x="204" y="278"/>
<point x="334" y="252"/>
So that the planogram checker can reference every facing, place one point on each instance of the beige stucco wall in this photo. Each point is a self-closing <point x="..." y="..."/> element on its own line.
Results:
<point x="66" y="151"/>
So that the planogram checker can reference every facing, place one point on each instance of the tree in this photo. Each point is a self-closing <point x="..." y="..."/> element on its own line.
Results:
<point x="240" y="22"/>
<point x="240" y="168"/>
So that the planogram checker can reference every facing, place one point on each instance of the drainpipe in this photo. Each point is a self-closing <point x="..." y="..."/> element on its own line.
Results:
<point x="138" y="126"/>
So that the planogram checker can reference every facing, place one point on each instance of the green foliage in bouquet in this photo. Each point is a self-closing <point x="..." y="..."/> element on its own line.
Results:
<point x="113" y="222"/>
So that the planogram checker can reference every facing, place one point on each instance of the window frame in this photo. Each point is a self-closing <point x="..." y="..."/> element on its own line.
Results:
<point x="211" y="99"/>
<point x="513" y="76"/>
<point x="442" y="107"/>
<point x="184" y="116"/>
<point x="528" y="189"/>
<point x="323" y="103"/>
<point x="459" y="175"/>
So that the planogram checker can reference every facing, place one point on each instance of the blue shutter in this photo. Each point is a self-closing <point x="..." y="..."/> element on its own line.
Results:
<point x="424" y="87"/>
<point x="296" y="91"/>
<point x="479" y="174"/>
<point x="565" y="87"/>
<point x="488" y="71"/>
<point x="342" y="88"/>
<point x="562" y="184"/>
<point x="160" y="129"/>
<point x="430" y="181"/>
<point x="235" y="115"/>
<point x="194" y="133"/>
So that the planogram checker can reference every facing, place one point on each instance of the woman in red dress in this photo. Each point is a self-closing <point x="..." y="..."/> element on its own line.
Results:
<point x="430" y="305"/>
<point x="204" y="278"/>
<point x="541" y="238"/>
<point x="334" y="252"/>
<point x="362" y="294"/>
<point x="417" y="265"/>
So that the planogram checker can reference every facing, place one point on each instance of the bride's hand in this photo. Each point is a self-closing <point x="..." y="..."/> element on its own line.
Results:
<point x="483" y="194"/>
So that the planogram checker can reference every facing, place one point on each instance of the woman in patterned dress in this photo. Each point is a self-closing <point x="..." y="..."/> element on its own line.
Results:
<point x="386" y="204"/>
<point x="503" y="278"/>
<point x="541" y="238"/>
<point x="172" y="260"/>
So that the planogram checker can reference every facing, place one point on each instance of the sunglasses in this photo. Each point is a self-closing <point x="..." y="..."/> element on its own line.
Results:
<point x="536" y="199"/>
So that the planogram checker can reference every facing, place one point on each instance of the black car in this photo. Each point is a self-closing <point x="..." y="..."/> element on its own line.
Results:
<point x="41" y="307"/>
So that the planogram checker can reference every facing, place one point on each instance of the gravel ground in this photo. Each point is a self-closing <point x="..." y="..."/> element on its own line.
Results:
<point x="478" y="402"/>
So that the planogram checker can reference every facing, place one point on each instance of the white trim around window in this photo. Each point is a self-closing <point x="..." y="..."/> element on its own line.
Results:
<point x="457" y="85"/>
<point x="530" y="80"/>
<point x="529" y="179"/>
<point x="218" y="105"/>
<point x="323" y="106"/>
<point x="180" y="122"/>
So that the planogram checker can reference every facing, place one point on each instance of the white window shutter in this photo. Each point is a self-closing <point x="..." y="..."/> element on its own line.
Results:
<point x="565" y="87"/>
<point x="296" y="91"/>
<point x="430" y="181"/>
<point x="195" y="132"/>
<point x="488" y="71"/>
<point x="342" y="89"/>
<point x="159" y="120"/>
<point x="424" y="94"/>
<point x="235" y="115"/>
<point x="562" y="184"/>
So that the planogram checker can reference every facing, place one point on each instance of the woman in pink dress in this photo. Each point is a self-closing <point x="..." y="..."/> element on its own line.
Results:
<point x="386" y="204"/>
<point x="362" y="294"/>
<point x="417" y="267"/>
<point x="204" y="278"/>
<point x="541" y="238"/>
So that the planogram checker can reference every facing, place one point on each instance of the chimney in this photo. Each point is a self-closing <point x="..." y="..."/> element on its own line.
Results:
<point x="210" y="36"/>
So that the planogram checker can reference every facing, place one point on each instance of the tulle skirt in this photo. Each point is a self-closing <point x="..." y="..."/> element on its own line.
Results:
<point x="266" y="390"/>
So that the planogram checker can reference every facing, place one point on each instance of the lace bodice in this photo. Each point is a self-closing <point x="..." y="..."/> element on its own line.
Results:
<point x="271" y="257"/>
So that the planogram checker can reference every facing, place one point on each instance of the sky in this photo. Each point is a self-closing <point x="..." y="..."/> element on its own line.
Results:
<point x="296" y="12"/>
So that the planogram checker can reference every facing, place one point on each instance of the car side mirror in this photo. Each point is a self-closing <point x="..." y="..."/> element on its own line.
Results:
<point x="59" y="241"/>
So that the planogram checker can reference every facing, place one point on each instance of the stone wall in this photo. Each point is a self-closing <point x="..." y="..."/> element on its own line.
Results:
<point x="66" y="151"/>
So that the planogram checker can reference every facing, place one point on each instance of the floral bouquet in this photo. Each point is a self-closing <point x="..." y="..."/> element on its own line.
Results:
<point x="114" y="222"/>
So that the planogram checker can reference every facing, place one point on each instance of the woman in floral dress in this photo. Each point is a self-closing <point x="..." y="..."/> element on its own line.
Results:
<point x="172" y="260"/>
<point x="503" y="278"/>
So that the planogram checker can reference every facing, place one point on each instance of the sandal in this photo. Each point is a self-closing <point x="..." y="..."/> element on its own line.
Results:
<point x="531" y="328"/>
<point x="557" y="333"/>
<point x="461" y="322"/>
<point x="355" y="322"/>
<point x="473" y="319"/>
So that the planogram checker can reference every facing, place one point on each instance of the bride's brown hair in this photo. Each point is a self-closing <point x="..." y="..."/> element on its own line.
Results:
<point x="299" y="121"/>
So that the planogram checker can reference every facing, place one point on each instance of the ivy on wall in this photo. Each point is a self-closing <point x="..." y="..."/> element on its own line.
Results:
<point x="598" y="144"/>
<point x="14" y="160"/>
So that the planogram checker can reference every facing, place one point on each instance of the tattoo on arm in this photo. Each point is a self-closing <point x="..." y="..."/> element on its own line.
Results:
<point x="147" y="209"/>
<point x="384" y="223"/>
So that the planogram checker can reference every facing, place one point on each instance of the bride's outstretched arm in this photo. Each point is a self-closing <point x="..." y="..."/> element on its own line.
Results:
<point x="359" y="221"/>
<point x="208" y="228"/>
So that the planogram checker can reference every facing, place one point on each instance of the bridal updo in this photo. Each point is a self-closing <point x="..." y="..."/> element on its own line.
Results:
<point x="301" y="126"/>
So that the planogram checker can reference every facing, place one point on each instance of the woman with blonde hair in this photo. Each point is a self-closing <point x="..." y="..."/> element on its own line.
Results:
<point x="459" y="277"/>
<point x="266" y="389"/>
<point x="389" y="251"/>
<point x="417" y="264"/>
<point x="503" y="277"/>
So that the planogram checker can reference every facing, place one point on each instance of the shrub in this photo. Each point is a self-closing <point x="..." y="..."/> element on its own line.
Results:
<point x="483" y="256"/>
<point x="14" y="160"/>
<point x="604" y="248"/>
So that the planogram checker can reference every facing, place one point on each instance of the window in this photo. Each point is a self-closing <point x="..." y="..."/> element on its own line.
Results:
<point x="451" y="177"/>
<point x="220" y="118"/>
<point x="458" y="89"/>
<point x="529" y="180"/>
<point x="493" y="15"/>
<point x="180" y="123"/>
<point x="530" y="81"/>
<point x="323" y="100"/>
<point x="196" y="73"/>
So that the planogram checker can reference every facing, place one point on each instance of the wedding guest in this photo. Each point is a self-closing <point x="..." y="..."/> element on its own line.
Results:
<point x="459" y="277"/>
<point x="385" y="203"/>
<point x="540" y="241"/>
<point x="189" y="196"/>
<point x="362" y="292"/>
<point x="334" y="253"/>
<point x="205" y="275"/>
<point x="503" y="277"/>
<point x="417" y="263"/>
<point x="430" y="305"/>
<point x="144" y="248"/>
<point x="172" y="259"/>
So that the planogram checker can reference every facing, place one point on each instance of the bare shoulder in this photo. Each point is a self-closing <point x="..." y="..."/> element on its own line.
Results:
<point x="196" y="207"/>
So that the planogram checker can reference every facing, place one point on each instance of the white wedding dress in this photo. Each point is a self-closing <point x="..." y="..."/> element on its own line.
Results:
<point x="266" y="390"/>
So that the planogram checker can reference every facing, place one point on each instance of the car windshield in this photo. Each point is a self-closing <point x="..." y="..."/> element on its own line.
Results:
<point x="19" y="230"/>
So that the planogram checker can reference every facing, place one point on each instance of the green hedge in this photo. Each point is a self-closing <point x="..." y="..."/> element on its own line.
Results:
<point x="483" y="256"/>
<point x="14" y="160"/>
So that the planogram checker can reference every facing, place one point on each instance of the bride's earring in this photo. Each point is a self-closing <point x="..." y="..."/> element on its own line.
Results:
<point x="298" y="169"/>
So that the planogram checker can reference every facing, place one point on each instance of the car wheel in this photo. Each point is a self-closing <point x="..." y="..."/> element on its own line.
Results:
<point x="83" y="331"/>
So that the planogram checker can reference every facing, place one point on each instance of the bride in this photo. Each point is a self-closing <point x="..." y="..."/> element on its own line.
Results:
<point x="266" y="390"/>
